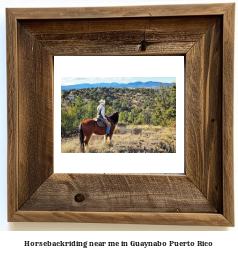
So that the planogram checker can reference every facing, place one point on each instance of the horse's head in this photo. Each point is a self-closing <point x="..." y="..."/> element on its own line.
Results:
<point x="114" y="117"/>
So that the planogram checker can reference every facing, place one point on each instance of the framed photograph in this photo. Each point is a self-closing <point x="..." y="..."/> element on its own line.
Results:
<point x="150" y="123"/>
<point x="112" y="186"/>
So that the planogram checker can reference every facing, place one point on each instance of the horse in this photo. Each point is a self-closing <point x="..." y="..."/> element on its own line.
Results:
<point x="89" y="126"/>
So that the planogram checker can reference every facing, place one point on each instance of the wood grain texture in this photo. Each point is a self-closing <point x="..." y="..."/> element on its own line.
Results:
<point x="73" y="48"/>
<point x="227" y="113"/>
<point x="204" y="114"/>
<point x="104" y="193"/>
<point x="125" y="12"/>
<point x="192" y="219"/>
<point x="179" y="25"/>
<point x="12" y="114"/>
<point x="35" y="102"/>
<point x="119" y="36"/>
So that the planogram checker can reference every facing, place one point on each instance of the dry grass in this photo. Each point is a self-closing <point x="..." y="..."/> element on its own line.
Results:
<point x="129" y="139"/>
<point x="70" y="145"/>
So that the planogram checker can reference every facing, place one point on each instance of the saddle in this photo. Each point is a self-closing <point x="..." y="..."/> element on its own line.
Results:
<point x="100" y="123"/>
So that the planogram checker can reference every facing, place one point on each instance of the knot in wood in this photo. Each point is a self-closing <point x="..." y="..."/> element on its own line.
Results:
<point x="143" y="45"/>
<point x="79" y="198"/>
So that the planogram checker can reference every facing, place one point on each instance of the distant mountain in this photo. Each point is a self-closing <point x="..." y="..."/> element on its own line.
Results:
<point x="149" y="84"/>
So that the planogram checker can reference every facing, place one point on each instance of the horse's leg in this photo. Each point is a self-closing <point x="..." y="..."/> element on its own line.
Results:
<point x="110" y="140"/>
<point x="86" y="142"/>
<point x="82" y="147"/>
<point x="105" y="138"/>
<point x="81" y="138"/>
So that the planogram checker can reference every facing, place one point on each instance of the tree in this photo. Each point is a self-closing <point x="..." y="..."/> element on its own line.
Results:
<point x="91" y="110"/>
<point x="65" y="93"/>
<point x="123" y="116"/>
<point x="172" y="108"/>
<point x="147" y="116"/>
<point x="133" y="115"/>
<point x="123" y="105"/>
<point x="69" y="122"/>
<point x="79" y="110"/>
<point x="108" y="110"/>
<point x="115" y="104"/>
<point x="166" y="106"/>
<point x="108" y="101"/>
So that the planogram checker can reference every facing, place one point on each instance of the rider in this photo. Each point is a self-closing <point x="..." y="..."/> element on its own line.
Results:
<point x="102" y="117"/>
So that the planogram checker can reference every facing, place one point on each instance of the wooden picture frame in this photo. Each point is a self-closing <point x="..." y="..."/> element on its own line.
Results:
<point x="204" y="34"/>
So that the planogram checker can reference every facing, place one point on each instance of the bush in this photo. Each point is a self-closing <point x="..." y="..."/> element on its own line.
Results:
<point x="121" y="124"/>
<point x="137" y="130"/>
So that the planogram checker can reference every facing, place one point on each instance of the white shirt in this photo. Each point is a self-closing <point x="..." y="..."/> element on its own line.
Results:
<point x="103" y="112"/>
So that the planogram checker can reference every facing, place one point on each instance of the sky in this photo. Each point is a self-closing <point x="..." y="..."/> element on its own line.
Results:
<point x="67" y="81"/>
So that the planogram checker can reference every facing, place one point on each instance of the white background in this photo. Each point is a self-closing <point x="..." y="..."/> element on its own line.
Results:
<point x="225" y="241"/>
<point x="120" y="66"/>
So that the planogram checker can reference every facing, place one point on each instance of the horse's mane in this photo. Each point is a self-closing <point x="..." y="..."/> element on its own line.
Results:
<point x="114" y="117"/>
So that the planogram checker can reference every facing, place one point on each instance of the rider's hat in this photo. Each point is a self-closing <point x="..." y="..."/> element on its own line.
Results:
<point x="102" y="101"/>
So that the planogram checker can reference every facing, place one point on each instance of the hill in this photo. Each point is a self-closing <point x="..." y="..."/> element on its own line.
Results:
<point x="149" y="84"/>
<point x="136" y="106"/>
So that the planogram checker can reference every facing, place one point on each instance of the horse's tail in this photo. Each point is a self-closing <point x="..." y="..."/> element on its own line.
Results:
<point x="81" y="137"/>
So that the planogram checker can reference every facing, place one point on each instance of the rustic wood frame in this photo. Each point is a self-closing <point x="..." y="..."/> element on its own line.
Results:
<point x="202" y="33"/>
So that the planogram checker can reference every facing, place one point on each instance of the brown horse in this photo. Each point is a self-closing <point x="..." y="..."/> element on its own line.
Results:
<point x="89" y="126"/>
